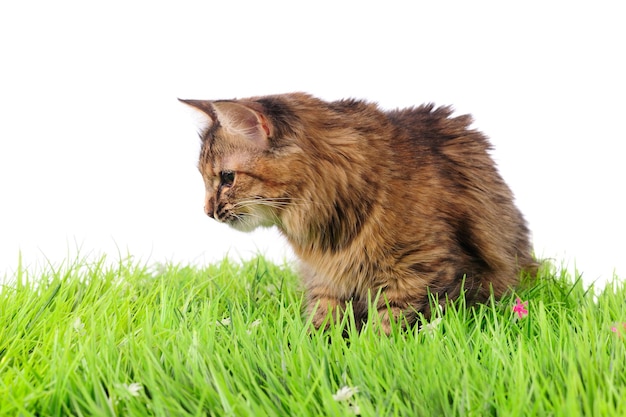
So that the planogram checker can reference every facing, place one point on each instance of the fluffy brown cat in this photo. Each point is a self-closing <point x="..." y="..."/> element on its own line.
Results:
<point x="404" y="204"/>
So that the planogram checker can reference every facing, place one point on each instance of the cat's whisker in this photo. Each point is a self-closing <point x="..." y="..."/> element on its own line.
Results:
<point x="278" y="202"/>
<point x="253" y="203"/>
<point x="248" y="204"/>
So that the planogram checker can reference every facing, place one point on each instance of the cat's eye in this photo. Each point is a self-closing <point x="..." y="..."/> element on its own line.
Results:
<point x="227" y="177"/>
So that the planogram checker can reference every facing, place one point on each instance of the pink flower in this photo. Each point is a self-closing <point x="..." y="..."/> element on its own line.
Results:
<point x="520" y="308"/>
<point x="619" y="328"/>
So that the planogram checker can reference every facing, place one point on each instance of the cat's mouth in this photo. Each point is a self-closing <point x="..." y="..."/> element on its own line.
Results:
<point x="240" y="222"/>
<point x="229" y="218"/>
<point x="245" y="221"/>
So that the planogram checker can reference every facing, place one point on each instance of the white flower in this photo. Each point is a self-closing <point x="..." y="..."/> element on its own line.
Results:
<point x="123" y="392"/>
<point x="253" y="325"/>
<point x="344" y="393"/>
<point x="133" y="389"/>
<point x="78" y="325"/>
<point x="224" y="322"/>
<point x="430" y="327"/>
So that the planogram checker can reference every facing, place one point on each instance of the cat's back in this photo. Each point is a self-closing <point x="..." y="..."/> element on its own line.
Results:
<point x="435" y="128"/>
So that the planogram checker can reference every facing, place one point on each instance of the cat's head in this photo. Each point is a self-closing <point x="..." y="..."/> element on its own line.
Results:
<point x="244" y="170"/>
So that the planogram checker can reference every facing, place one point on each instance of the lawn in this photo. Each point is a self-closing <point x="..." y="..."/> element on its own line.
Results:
<point x="90" y="339"/>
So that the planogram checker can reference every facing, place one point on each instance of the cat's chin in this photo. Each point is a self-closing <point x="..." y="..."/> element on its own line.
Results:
<point x="245" y="225"/>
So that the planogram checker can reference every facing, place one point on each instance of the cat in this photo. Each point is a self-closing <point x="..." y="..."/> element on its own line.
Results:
<point x="402" y="207"/>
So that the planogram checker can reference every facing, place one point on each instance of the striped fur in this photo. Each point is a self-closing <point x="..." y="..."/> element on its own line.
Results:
<point x="400" y="203"/>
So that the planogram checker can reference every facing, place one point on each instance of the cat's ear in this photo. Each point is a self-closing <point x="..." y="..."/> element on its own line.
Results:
<point x="243" y="121"/>
<point x="206" y="111"/>
<point x="235" y="117"/>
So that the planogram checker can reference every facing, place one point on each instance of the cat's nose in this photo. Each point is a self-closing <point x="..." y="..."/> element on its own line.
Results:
<point x="208" y="208"/>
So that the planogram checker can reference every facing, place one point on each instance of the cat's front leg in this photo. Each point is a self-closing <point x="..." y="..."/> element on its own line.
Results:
<point x="397" y="309"/>
<point x="323" y="307"/>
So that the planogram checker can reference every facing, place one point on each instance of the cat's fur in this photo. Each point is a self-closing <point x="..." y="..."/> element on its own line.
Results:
<point x="400" y="204"/>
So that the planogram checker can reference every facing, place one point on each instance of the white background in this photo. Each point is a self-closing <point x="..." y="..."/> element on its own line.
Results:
<point x="96" y="153"/>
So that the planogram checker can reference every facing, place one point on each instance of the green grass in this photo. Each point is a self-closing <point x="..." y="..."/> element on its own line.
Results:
<point x="88" y="339"/>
